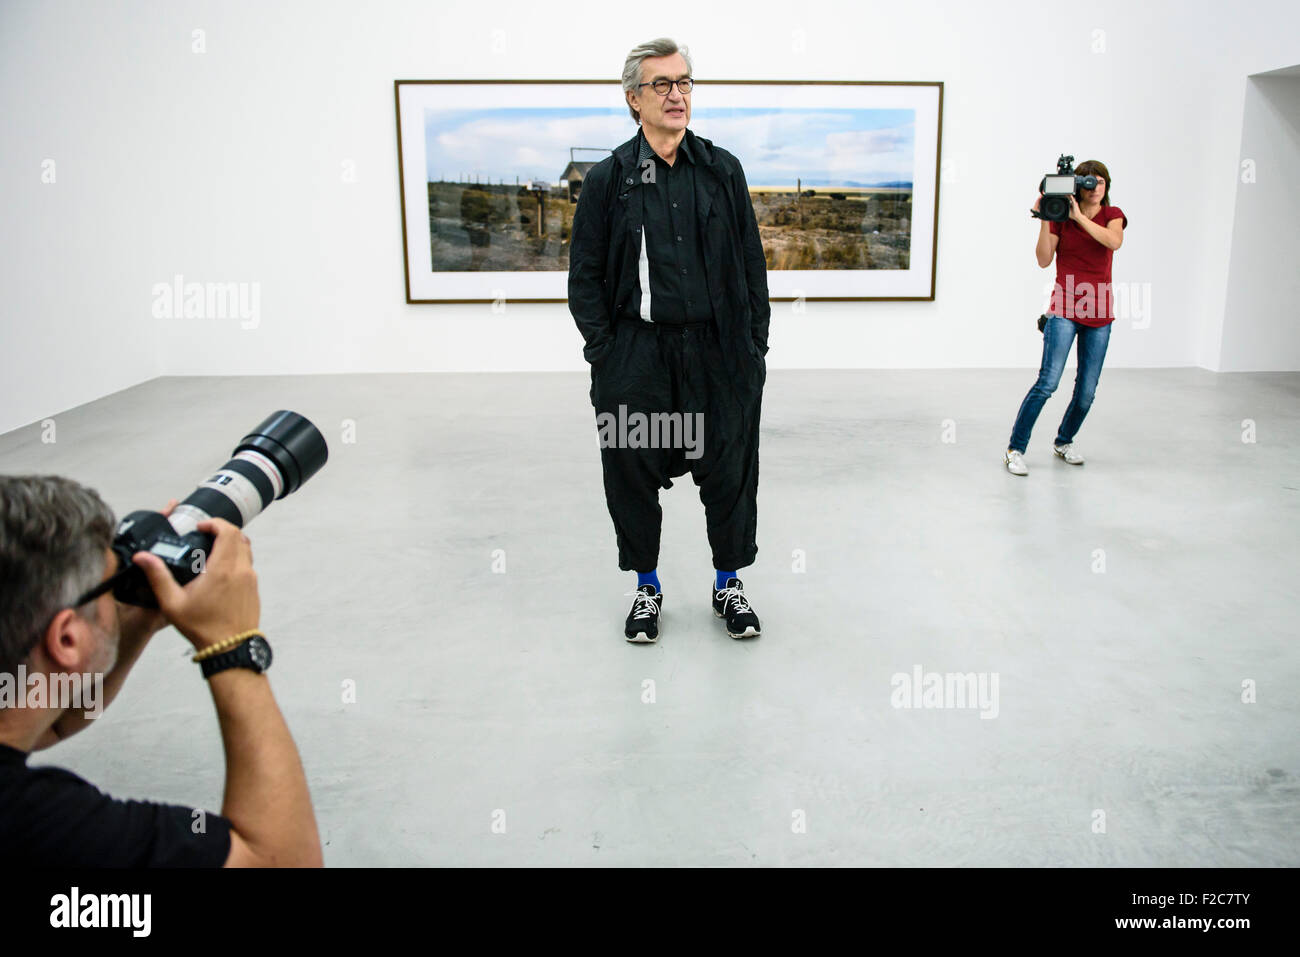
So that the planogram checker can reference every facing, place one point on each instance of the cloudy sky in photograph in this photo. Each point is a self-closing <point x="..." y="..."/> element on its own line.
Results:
<point x="822" y="146"/>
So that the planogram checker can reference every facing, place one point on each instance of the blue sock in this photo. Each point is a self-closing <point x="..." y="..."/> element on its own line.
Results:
<point x="648" y="578"/>
<point x="721" y="580"/>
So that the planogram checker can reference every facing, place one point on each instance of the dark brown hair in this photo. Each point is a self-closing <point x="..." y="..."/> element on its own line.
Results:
<point x="1095" y="168"/>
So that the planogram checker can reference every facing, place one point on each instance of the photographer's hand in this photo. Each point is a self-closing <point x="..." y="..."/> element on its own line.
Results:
<point x="1045" y="249"/>
<point x="1109" y="238"/>
<point x="136" y="624"/>
<point x="222" y="601"/>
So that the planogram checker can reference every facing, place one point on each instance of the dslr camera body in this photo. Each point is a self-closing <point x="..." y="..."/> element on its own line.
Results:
<point x="1058" y="187"/>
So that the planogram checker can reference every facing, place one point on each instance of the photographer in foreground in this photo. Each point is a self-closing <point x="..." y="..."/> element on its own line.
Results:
<point x="57" y="622"/>
<point x="1082" y="306"/>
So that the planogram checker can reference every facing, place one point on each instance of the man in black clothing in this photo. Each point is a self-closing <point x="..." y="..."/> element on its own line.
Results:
<point x="668" y="286"/>
<point x="66" y="647"/>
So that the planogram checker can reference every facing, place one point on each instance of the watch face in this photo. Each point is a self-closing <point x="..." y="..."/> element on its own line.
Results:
<point x="260" y="652"/>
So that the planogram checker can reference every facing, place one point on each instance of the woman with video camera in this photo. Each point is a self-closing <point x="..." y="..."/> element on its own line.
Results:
<point x="1082" y="306"/>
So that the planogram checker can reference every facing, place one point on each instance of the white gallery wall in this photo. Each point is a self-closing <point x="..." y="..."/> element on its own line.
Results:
<point x="1261" y="328"/>
<point x="128" y="157"/>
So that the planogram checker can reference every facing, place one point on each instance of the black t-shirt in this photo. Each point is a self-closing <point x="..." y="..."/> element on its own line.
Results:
<point x="52" y="818"/>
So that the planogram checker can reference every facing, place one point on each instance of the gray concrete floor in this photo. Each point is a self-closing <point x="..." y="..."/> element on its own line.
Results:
<point x="1120" y="692"/>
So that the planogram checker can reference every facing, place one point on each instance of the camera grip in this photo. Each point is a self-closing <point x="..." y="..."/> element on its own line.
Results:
<point x="184" y="555"/>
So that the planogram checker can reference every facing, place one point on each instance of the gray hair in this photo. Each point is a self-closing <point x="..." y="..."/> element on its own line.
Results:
<point x="632" y="65"/>
<point x="53" y="533"/>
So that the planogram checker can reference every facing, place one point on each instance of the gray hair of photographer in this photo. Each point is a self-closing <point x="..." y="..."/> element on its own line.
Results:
<point x="53" y="536"/>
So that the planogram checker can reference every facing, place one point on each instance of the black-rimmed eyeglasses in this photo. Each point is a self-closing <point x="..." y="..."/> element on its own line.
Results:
<point x="108" y="584"/>
<point x="662" y="86"/>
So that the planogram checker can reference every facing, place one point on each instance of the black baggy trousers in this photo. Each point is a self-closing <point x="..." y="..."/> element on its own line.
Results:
<point x="656" y="370"/>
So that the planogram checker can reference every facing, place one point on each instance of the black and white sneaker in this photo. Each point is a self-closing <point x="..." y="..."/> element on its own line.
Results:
<point x="730" y="603"/>
<point x="643" y="620"/>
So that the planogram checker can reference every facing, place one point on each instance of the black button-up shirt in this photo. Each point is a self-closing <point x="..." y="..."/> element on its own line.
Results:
<point x="671" y="278"/>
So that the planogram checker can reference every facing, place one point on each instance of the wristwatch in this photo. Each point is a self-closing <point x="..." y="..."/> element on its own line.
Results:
<point x="254" y="654"/>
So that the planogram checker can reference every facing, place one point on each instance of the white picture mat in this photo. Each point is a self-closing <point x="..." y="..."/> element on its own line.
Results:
<point x="425" y="284"/>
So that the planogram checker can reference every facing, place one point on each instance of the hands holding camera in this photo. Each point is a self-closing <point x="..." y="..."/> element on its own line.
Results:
<point x="142" y="623"/>
<point x="221" y="602"/>
<point x="1075" y="213"/>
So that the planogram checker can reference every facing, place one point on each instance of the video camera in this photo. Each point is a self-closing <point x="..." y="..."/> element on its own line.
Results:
<point x="1058" y="187"/>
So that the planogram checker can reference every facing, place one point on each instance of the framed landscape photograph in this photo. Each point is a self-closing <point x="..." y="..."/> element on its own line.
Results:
<point x="844" y="178"/>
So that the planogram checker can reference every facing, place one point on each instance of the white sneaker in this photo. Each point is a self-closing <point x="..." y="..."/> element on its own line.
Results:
<point x="1015" y="463"/>
<point x="1067" y="452"/>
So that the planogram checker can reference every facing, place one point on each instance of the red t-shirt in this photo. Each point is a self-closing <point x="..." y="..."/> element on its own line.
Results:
<point x="1083" y="287"/>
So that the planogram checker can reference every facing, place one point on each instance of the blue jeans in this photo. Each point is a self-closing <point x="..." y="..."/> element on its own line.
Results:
<point x="1058" y="333"/>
